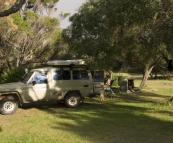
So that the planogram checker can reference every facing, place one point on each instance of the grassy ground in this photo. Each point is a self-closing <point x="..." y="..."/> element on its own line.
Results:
<point x="141" y="117"/>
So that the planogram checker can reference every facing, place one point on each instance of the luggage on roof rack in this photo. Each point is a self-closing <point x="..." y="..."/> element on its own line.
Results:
<point x="66" y="62"/>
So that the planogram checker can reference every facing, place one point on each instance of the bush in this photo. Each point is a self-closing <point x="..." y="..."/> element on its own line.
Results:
<point x="12" y="75"/>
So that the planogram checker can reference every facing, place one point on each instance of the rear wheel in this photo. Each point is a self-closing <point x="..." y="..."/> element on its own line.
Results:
<point x="8" y="106"/>
<point x="72" y="100"/>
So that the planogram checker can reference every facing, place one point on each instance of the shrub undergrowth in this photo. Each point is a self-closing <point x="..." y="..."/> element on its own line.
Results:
<point x="12" y="75"/>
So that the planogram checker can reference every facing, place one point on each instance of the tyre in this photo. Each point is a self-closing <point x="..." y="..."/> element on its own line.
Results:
<point x="8" y="106"/>
<point x="72" y="100"/>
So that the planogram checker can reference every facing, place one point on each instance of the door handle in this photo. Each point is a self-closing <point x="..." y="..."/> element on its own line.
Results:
<point x="86" y="85"/>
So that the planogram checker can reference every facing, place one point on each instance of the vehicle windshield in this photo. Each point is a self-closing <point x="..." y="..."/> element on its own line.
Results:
<point x="26" y="77"/>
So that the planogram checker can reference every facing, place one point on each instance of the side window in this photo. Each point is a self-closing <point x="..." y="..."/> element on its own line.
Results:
<point x="57" y="75"/>
<point x="39" y="78"/>
<point x="76" y="74"/>
<point x="66" y="75"/>
<point x="61" y="75"/>
<point x="80" y="74"/>
<point x="84" y="74"/>
<point x="98" y="76"/>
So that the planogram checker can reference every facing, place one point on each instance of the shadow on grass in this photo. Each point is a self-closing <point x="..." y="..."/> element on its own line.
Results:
<point x="128" y="118"/>
<point x="43" y="106"/>
<point x="108" y="122"/>
<point x="118" y="120"/>
<point x="140" y="96"/>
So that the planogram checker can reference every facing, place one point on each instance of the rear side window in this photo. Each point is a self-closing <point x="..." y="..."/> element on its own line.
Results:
<point x="98" y="76"/>
<point x="80" y="74"/>
<point x="61" y="75"/>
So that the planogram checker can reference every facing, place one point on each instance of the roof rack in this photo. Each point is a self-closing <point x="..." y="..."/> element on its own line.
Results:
<point x="66" y="62"/>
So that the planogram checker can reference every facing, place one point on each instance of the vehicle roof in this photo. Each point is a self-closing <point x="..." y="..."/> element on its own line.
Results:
<point x="45" y="69"/>
<point x="42" y="69"/>
<point x="65" y="62"/>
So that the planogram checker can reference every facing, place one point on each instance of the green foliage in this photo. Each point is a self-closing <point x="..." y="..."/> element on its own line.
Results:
<point x="51" y="22"/>
<point x="3" y="24"/>
<point x="12" y="75"/>
<point x="29" y="15"/>
<point x="34" y="40"/>
<point x="32" y="1"/>
<point x="49" y="1"/>
<point x="64" y="15"/>
<point x="112" y="31"/>
<point x="20" y="22"/>
<point x="56" y="37"/>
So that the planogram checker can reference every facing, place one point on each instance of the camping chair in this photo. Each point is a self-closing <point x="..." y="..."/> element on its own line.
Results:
<point x="109" y="88"/>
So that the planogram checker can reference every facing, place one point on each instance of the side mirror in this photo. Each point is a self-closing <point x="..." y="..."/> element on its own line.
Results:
<point x="33" y="82"/>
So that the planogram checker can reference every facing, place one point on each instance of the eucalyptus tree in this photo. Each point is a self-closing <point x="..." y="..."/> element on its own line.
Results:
<point x="34" y="40"/>
<point x="107" y="31"/>
<point x="26" y="37"/>
<point x="35" y="45"/>
<point x="6" y="25"/>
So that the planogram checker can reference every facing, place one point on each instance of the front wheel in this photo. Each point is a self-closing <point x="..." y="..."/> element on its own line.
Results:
<point x="8" y="106"/>
<point x="72" y="100"/>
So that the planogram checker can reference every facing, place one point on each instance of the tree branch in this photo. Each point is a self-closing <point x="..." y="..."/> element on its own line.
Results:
<point x="14" y="8"/>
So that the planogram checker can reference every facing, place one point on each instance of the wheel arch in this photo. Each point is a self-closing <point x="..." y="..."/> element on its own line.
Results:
<point x="73" y="91"/>
<point x="14" y="95"/>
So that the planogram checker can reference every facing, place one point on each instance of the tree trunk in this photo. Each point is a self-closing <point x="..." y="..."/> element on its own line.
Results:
<point x="146" y="74"/>
<point x="17" y="63"/>
<point x="9" y="64"/>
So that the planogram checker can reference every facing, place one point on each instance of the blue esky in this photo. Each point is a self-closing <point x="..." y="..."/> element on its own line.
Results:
<point x="67" y="6"/>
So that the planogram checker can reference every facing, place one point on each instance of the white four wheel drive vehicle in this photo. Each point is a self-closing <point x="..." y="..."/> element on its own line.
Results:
<point x="66" y="81"/>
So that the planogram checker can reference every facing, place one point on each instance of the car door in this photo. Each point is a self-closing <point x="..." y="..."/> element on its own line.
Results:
<point x="60" y="83"/>
<point x="37" y="89"/>
<point x="82" y="81"/>
<point x="98" y="79"/>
